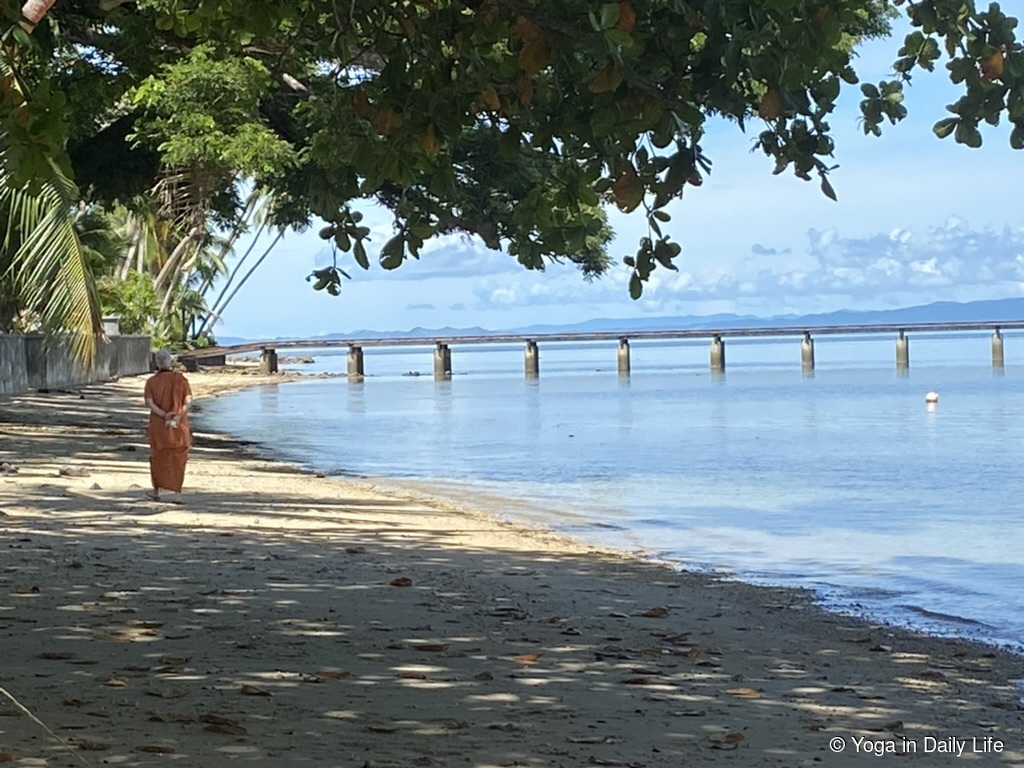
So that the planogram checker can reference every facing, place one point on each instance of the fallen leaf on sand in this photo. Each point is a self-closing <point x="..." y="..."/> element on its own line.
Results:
<point x="175" y="661"/>
<point x="503" y="727"/>
<point x="401" y="581"/>
<point x="155" y="718"/>
<point x="231" y="729"/>
<point x="483" y="676"/>
<point x="155" y="749"/>
<point x="331" y="674"/>
<point x="1009" y="706"/>
<point x="252" y="690"/>
<point x="432" y="647"/>
<point x="57" y="655"/>
<point x="659" y="612"/>
<point x="9" y="757"/>
<point x="527" y="658"/>
<point x="220" y="724"/>
<point x="729" y="740"/>
<point x="169" y="693"/>
<point x="744" y="693"/>
<point x="355" y="550"/>
<point x="93" y="746"/>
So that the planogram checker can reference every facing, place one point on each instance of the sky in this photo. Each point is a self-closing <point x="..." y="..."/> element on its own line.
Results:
<point x="918" y="219"/>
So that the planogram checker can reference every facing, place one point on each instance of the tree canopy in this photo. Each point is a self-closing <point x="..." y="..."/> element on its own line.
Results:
<point x="512" y="120"/>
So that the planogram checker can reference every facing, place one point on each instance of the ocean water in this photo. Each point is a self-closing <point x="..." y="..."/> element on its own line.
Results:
<point x="844" y="482"/>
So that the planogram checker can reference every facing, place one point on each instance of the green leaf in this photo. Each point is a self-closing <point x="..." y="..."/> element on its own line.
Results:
<point x="870" y="90"/>
<point x="359" y="254"/>
<point x="945" y="127"/>
<point x="609" y="15"/>
<point x="636" y="286"/>
<point x="826" y="187"/>
<point x="1017" y="137"/>
<point x="393" y="253"/>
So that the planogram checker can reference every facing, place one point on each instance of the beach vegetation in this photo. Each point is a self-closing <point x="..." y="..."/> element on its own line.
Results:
<point x="520" y="124"/>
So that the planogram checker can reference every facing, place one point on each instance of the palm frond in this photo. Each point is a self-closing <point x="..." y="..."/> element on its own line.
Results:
<point x="48" y="265"/>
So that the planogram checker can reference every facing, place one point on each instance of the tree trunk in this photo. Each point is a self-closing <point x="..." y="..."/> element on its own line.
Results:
<point x="248" y="274"/>
<point x="212" y="314"/>
<point x="176" y="256"/>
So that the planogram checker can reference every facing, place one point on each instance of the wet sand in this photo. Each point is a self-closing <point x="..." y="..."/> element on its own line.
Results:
<point x="283" y="619"/>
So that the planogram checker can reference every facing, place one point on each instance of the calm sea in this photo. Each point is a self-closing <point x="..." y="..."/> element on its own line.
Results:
<point x="844" y="482"/>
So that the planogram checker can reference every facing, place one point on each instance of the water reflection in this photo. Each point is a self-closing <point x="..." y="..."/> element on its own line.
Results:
<point x="356" y="396"/>
<point x="443" y="396"/>
<point x="268" y="397"/>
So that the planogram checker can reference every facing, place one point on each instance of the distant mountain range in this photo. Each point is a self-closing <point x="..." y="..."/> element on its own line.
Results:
<point x="937" y="312"/>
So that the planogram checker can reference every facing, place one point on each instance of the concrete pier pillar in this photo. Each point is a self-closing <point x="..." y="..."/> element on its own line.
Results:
<point x="807" y="353"/>
<point x="623" y="357"/>
<point x="268" y="361"/>
<point x="531" y="358"/>
<point x="355" y="363"/>
<point x="442" y="361"/>
<point x="717" y="354"/>
<point x="902" y="351"/>
<point x="997" y="349"/>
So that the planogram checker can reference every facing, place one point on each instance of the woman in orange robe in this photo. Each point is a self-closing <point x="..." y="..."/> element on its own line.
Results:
<point x="168" y="396"/>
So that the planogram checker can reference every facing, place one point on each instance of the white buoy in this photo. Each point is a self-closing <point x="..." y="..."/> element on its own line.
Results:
<point x="932" y="397"/>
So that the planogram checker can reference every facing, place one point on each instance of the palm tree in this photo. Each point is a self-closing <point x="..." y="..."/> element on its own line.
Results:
<point x="47" y="280"/>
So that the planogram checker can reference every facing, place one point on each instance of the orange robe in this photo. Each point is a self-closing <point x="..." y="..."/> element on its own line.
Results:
<point x="169" y="446"/>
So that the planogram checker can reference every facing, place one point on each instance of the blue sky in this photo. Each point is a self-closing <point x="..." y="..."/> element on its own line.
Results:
<point x="918" y="219"/>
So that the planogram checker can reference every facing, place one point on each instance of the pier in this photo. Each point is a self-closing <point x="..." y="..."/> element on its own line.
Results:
<point x="442" y="346"/>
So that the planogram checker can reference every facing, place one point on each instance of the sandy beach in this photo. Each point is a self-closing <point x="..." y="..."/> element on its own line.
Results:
<point x="284" y="619"/>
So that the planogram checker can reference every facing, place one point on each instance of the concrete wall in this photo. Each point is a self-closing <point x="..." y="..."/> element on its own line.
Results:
<point x="13" y="368"/>
<point x="133" y="356"/>
<point x="32" y="362"/>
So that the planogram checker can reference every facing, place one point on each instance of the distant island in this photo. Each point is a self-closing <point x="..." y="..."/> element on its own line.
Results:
<point x="936" y="312"/>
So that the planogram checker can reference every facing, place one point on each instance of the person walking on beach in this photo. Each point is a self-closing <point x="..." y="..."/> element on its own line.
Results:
<point x="168" y="397"/>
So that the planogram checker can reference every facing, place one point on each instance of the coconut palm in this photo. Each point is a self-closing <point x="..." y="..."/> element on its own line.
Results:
<point x="46" y="280"/>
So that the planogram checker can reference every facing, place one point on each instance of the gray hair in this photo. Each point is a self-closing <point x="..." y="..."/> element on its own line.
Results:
<point x="164" y="360"/>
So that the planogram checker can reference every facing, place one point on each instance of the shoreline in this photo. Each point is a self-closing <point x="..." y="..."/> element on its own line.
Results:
<point x="915" y="619"/>
<point x="508" y="645"/>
